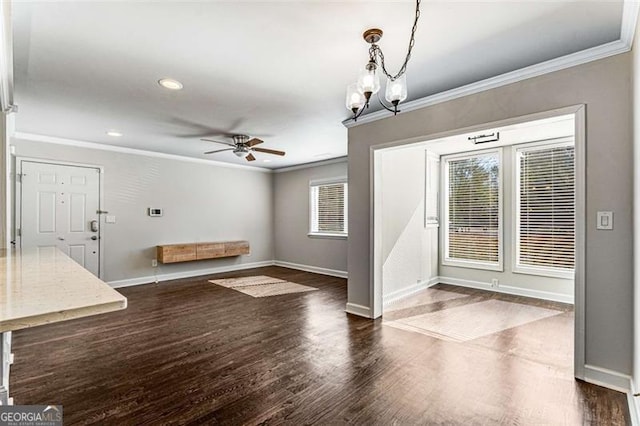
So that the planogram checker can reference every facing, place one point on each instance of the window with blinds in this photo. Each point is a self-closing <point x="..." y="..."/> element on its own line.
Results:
<point x="329" y="208"/>
<point x="545" y="200"/>
<point x="473" y="228"/>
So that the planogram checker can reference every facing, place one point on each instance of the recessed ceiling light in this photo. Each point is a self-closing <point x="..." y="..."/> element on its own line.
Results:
<point x="114" y="133"/>
<point x="169" y="83"/>
<point x="266" y="161"/>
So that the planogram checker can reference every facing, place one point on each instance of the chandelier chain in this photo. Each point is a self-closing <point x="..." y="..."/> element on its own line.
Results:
<point x="375" y="50"/>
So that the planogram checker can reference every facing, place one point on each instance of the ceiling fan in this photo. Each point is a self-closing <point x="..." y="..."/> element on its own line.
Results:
<point x="243" y="146"/>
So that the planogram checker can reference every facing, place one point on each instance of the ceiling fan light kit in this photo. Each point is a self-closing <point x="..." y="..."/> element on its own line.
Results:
<point x="241" y="151"/>
<point x="368" y="83"/>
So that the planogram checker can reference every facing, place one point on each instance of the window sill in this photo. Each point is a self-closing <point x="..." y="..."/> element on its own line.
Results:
<point x="473" y="265"/>
<point x="544" y="272"/>
<point x="329" y="236"/>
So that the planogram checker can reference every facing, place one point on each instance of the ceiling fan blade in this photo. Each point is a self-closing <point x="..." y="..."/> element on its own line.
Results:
<point x="250" y="157"/>
<point x="254" y="142"/>
<point x="269" y="151"/>
<point x="212" y="140"/>
<point x="219" y="150"/>
<point x="194" y="129"/>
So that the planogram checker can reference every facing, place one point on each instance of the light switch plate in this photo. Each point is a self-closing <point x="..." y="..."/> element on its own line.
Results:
<point x="110" y="219"/>
<point x="605" y="221"/>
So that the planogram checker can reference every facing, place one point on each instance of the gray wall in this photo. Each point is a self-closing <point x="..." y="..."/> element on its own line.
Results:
<point x="291" y="214"/>
<point x="636" y="204"/>
<point x="201" y="203"/>
<point x="605" y="87"/>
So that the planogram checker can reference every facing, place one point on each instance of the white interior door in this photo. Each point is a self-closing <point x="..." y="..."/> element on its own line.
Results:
<point x="59" y="207"/>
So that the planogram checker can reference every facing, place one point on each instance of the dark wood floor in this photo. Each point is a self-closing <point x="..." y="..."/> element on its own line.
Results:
<point x="191" y="352"/>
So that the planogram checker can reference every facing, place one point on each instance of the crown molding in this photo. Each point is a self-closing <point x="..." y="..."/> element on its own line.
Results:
<point x="133" y="151"/>
<point x="309" y="165"/>
<point x="630" y="10"/>
<point x="568" y="61"/>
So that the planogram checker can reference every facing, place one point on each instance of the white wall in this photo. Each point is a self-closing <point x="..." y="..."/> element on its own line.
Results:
<point x="291" y="220"/>
<point x="636" y="204"/>
<point x="5" y="181"/>
<point x="201" y="203"/>
<point x="536" y="286"/>
<point x="409" y="250"/>
<point x="604" y="86"/>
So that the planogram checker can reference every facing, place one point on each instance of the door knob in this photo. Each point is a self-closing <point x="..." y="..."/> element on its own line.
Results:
<point x="94" y="237"/>
<point x="61" y="239"/>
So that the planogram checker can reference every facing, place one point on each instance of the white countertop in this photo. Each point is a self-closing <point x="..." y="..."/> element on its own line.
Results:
<point x="42" y="286"/>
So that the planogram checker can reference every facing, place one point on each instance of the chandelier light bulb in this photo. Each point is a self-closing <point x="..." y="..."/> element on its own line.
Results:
<point x="368" y="81"/>
<point x="396" y="90"/>
<point x="355" y="99"/>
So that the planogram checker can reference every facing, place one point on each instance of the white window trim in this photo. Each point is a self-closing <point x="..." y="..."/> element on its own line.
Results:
<point x="444" y="183"/>
<point x="516" y="267"/>
<point x="329" y="181"/>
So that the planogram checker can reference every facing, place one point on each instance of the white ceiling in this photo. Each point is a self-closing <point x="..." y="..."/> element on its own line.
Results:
<point x="277" y="70"/>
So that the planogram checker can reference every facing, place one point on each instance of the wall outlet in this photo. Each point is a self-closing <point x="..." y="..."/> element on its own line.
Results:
<point x="154" y="263"/>
<point x="494" y="283"/>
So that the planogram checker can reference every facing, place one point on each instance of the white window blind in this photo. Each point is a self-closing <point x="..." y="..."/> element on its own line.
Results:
<point x="473" y="228"/>
<point x="546" y="207"/>
<point x="329" y="208"/>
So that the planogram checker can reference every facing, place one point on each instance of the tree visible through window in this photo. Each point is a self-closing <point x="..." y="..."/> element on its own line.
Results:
<point x="328" y="208"/>
<point x="473" y="208"/>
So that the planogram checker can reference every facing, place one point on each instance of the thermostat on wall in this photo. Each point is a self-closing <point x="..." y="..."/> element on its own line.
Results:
<point x="155" y="212"/>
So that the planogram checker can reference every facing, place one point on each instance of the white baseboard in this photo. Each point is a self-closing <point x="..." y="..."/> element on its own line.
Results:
<point x="229" y="268"/>
<point x="408" y="291"/>
<point x="314" y="269"/>
<point x="634" y="404"/>
<point x="355" y="309"/>
<point x="516" y="291"/>
<point x="607" y="378"/>
<point x="187" y="274"/>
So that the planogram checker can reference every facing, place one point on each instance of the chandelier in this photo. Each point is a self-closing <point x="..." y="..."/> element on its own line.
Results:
<point x="368" y="84"/>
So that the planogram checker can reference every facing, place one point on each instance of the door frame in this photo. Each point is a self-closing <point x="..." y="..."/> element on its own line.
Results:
<point x="375" y="236"/>
<point x="18" y="200"/>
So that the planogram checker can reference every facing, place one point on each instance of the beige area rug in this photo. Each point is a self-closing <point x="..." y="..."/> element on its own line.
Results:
<point x="425" y="297"/>
<point x="468" y="322"/>
<point x="262" y="286"/>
